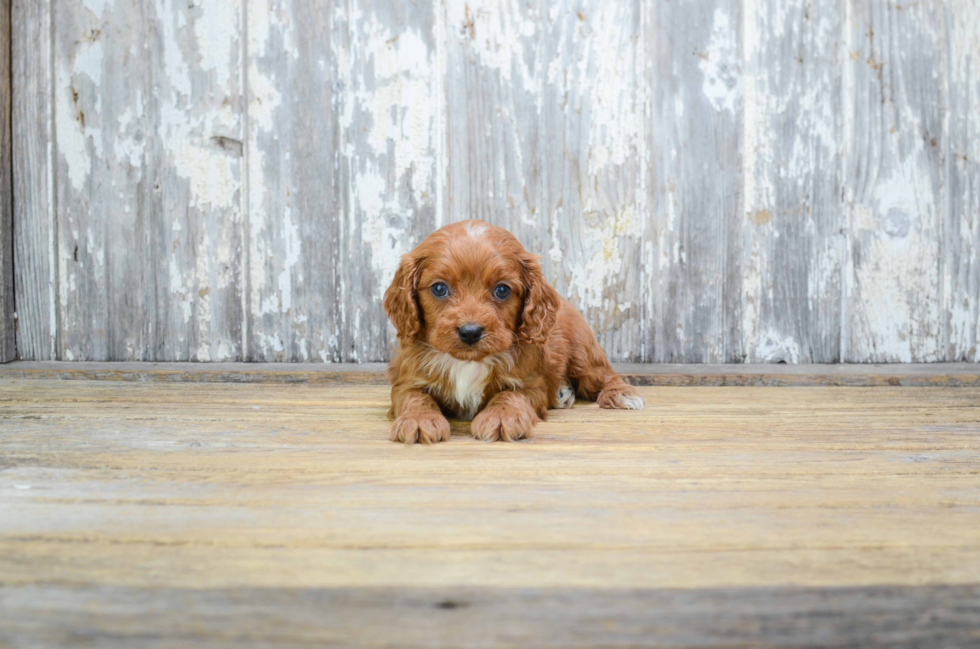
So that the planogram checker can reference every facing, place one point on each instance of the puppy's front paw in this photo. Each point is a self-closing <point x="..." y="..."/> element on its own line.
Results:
<point x="624" y="397"/>
<point x="424" y="427"/>
<point x="504" y="423"/>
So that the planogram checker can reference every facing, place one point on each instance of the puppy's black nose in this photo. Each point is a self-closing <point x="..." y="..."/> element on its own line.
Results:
<point x="470" y="333"/>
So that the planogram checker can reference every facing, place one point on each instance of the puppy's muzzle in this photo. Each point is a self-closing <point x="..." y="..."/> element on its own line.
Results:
<point x="470" y="334"/>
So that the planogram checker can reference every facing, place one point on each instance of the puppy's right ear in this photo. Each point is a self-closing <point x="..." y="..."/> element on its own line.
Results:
<point x="401" y="299"/>
<point x="541" y="303"/>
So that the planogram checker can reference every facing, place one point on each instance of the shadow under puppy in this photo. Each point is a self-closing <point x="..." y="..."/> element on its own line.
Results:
<point x="484" y="338"/>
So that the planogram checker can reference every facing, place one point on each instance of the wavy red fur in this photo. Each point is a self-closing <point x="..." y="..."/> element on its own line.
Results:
<point x="534" y="343"/>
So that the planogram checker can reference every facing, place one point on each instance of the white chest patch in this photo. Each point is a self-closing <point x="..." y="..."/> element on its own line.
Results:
<point x="467" y="378"/>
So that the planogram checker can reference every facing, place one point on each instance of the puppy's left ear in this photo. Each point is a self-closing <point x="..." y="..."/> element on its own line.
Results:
<point x="541" y="303"/>
<point x="401" y="299"/>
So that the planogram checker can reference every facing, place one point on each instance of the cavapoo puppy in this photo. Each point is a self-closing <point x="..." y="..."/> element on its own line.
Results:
<point x="484" y="338"/>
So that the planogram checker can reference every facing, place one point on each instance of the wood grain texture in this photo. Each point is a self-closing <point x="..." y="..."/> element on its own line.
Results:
<point x="544" y="118"/>
<point x="342" y="170"/>
<point x="588" y="151"/>
<point x="8" y="350"/>
<point x="494" y="84"/>
<point x="296" y="203"/>
<point x="894" y="177"/>
<point x="762" y="375"/>
<point x="792" y="220"/>
<point x="60" y="615"/>
<point x="227" y="508"/>
<point x="732" y="181"/>
<point x="147" y="112"/>
<point x="35" y="271"/>
<point x="694" y="181"/>
<point x="961" y="278"/>
<point x="99" y="240"/>
<point x="191" y="203"/>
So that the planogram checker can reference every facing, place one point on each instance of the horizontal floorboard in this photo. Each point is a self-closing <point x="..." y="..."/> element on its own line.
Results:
<point x="643" y="374"/>
<point x="234" y="514"/>
<point x="912" y="616"/>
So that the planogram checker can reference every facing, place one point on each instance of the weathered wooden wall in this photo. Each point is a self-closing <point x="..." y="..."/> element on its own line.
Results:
<point x="7" y="327"/>
<point x="710" y="181"/>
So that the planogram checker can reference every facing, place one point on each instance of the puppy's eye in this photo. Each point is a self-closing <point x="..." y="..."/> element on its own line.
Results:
<point x="439" y="290"/>
<point x="501" y="292"/>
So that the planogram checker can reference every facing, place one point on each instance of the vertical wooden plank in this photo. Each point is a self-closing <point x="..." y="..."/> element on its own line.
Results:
<point x="390" y="122"/>
<point x="962" y="228"/>
<point x="100" y="94"/>
<point x="591" y="124"/>
<point x="8" y="350"/>
<point x="544" y="127"/>
<point x="793" y="218"/>
<point x="32" y="131"/>
<point x="295" y="206"/>
<point x="148" y="146"/>
<point x="495" y="65"/>
<point x="343" y="176"/>
<point x="192" y="192"/>
<point x="894" y="102"/>
<point x="694" y="181"/>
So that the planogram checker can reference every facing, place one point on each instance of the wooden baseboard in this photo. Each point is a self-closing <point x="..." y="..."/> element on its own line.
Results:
<point x="931" y="375"/>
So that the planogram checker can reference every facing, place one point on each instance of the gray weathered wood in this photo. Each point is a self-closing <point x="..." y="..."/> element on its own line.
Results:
<point x="544" y="129"/>
<point x="945" y="375"/>
<point x="468" y="616"/>
<point x="961" y="277"/>
<point x="494" y="67"/>
<point x="694" y="181"/>
<point x="100" y="95"/>
<point x="591" y="135"/>
<point x="342" y="170"/>
<point x="191" y="197"/>
<point x="8" y="349"/>
<point x="894" y="171"/>
<point x="742" y="180"/>
<point x="33" y="141"/>
<point x="295" y="206"/>
<point x="792" y="221"/>
<point x="148" y="119"/>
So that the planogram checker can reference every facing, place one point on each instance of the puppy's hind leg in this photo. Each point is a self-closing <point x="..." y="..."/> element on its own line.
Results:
<point x="566" y="396"/>
<point x="597" y="380"/>
<point x="617" y="393"/>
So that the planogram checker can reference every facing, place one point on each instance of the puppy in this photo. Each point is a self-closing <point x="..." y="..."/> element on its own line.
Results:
<point x="484" y="338"/>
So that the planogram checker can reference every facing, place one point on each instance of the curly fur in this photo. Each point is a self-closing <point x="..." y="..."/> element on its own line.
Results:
<point x="536" y="352"/>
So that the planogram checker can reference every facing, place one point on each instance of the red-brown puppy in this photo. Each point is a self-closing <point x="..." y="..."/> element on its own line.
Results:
<point x="483" y="337"/>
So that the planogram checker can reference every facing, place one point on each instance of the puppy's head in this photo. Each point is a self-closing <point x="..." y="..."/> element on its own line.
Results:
<point x="471" y="290"/>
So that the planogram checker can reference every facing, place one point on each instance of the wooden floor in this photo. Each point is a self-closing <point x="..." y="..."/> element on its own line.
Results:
<point x="277" y="514"/>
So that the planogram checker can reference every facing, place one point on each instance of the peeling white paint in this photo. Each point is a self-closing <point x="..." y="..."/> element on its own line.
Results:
<point x="213" y="183"/>
<point x="603" y="265"/>
<point x="174" y="65"/>
<point x="720" y="61"/>
<point x="216" y="38"/>
<point x="75" y="135"/>
<point x="608" y="65"/>
<point x="773" y="347"/>
<point x="401" y="110"/>
<point x="98" y="7"/>
<point x="293" y="245"/>
<point x="558" y="76"/>
<point x="896" y="281"/>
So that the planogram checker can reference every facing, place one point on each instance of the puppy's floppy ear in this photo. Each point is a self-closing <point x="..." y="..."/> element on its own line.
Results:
<point x="401" y="299"/>
<point x="540" y="303"/>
